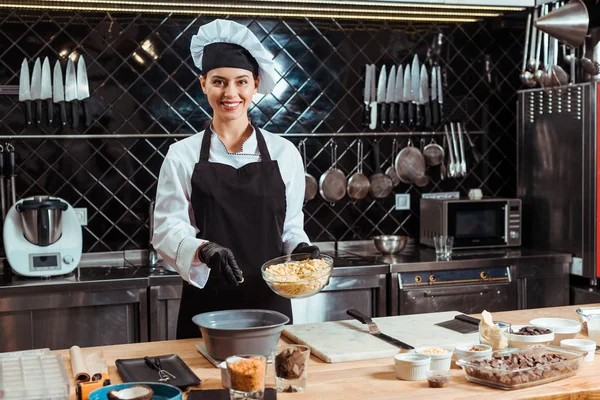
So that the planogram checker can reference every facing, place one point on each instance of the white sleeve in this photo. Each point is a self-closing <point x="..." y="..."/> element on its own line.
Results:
<point x="174" y="236"/>
<point x="293" y="226"/>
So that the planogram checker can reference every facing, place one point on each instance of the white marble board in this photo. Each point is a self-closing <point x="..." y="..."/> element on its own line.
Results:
<point x="341" y="341"/>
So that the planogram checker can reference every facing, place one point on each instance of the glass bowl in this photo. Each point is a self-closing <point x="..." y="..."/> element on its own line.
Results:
<point x="302" y="283"/>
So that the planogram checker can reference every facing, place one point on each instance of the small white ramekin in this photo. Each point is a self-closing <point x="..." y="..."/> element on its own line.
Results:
<point x="439" y="362"/>
<point x="224" y="380"/>
<point x="582" y="345"/>
<point x="411" y="366"/>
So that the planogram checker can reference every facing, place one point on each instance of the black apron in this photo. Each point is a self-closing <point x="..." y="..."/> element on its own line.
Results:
<point x="244" y="210"/>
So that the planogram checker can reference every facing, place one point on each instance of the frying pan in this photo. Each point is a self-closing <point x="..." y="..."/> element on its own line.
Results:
<point x="358" y="183"/>
<point x="433" y="153"/>
<point x="332" y="184"/>
<point x="410" y="163"/>
<point x="381" y="184"/>
<point x="311" y="185"/>
<point x="391" y="170"/>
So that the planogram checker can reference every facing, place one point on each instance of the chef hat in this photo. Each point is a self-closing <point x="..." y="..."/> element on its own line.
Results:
<point x="223" y="43"/>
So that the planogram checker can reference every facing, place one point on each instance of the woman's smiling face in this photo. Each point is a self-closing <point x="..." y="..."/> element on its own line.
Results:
<point x="229" y="91"/>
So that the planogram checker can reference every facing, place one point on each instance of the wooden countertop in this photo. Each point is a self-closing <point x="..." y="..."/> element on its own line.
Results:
<point x="373" y="379"/>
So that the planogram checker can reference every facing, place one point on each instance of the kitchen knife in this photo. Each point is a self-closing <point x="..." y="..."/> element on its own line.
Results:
<point x="440" y="93"/>
<point x="2" y="184"/>
<point x="415" y="80"/>
<point x="398" y="95"/>
<point x="367" y="95"/>
<point x="407" y="96"/>
<point x="83" y="90"/>
<point x="374" y="329"/>
<point x="389" y="95"/>
<point x="434" y="101"/>
<point x="36" y="89"/>
<point x="59" y="92"/>
<point x="381" y="86"/>
<point x="25" y="91"/>
<point x="47" y="89"/>
<point x="71" y="92"/>
<point x="373" y="117"/>
<point x="424" y="99"/>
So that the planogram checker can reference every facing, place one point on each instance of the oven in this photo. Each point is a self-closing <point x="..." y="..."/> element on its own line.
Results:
<point x="490" y="222"/>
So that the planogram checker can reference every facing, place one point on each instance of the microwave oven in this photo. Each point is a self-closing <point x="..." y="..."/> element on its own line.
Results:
<point x="488" y="222"/>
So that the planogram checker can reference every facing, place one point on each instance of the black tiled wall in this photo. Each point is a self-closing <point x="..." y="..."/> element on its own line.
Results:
<point x="143" y="81"/>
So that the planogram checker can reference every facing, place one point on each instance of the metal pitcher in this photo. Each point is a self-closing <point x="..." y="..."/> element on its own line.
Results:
<point x="41" y="217"/>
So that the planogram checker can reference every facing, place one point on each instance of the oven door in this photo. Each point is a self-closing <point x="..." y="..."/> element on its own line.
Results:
<point x="466" y="298"/>
<point x="477" y="223"/>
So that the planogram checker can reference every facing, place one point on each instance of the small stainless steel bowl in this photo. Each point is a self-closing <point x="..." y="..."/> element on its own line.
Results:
<point x="390" y="244"/>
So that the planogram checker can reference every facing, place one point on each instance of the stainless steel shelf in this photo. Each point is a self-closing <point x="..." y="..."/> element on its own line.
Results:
<point x="184" y="135"/>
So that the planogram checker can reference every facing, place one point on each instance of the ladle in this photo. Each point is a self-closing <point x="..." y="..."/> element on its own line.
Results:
<point x="559" y="75"/>
<point x="527" y="77"/>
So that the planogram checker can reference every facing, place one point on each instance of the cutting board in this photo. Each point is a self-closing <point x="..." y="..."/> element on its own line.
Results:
<point x="341" y="341"/>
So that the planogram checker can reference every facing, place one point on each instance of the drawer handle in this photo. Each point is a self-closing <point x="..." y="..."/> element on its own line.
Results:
<point x="454" y="293"/>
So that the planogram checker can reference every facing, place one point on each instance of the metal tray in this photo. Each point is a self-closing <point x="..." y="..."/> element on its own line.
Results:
<point x="136" y="370"/>
<point x="523" y="377"/>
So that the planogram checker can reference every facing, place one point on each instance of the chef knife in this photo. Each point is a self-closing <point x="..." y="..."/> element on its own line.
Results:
<point x="83" y="90"/>
<point x="2" y="184"/>
<point x="390" y="94"/>
<point x="373" y="117"/>
<point x="424" y="99"/>
<point x="407" y="96"/>
<point x="374" y="329"/>
<point x="25" y="91"/>
<point x="440" y="93"/>
<point x="47" y="89"/>
<point x="415" y="81"/>
<point x="398" y="95"/>
<point x="36" y="89"/>
<point x="59" y="92"/>
<point x="434" y="101"/>
<point x="367" y="95"/>
<point x="381" y="86"/>
<point x="71" y="92"/>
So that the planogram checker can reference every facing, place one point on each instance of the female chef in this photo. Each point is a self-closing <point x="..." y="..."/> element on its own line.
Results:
<point x="230" y="198"/>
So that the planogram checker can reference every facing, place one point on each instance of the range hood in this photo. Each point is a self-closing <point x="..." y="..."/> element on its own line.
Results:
<point x="382" y="10"/>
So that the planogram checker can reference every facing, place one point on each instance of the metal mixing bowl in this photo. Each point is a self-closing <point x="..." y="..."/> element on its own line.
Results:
<point x="390" y="244"/>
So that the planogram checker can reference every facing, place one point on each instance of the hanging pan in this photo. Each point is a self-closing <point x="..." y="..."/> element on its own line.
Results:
<point x="433" y="153"/>
<point x="358" y="183"/>
<point x="410" y="163"/>
<point x="381" y="184"/>
<point x="311" y="185"/>
<point x="332" y="184"/>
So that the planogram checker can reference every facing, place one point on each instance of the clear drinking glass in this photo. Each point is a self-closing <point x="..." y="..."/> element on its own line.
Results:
<point x="593" y="325"/>
<point x="443" y="246"/>
<point x="247" y="376"/>
<point x="291" y="364"/>
<point x="493" y="339"/>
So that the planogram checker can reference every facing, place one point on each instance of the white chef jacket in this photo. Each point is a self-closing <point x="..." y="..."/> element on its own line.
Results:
<point x="174" y="236"/>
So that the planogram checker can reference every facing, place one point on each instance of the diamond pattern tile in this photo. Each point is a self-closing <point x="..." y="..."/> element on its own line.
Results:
<point x="143" y="81"/>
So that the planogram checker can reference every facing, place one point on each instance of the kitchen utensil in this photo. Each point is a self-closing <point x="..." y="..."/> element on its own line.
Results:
<point x="463" y="160"/>
<point x="415" y="82"/>
<point x="559" y="75"/>
<point x="570" y="59"/>
<point x="163" y="374"/>
<point x="563" y="328"/>
<point x="381" y="184"/>
<point x="83" y="91"/>
<point x="407" y="96"/>
<point x="291" y="286"/>
<point x="311" y="186"/>
<point x="71" y="92"/>
<point x="390" y="244"/>
<point x="538" y="51"/>
<point x="162" y="391"/>
<point x="41" y="219"/>
<point x="367" y="95"/>
<point x="440" y="94"/>
<point x="223" y="394"/>
<point x="2" y="184"/>
<point x="46" y="91"/>
<point x="411" y="366"/>
<point x="391" y="170"/>
<point x="332" y="184"/>
<point x="231" y="332"/>
<point x="373" y="116"/>
<point x="586" y="346"/>
<point x="389" y="96"/>
<point x="517" y="340"/>
<point x="569" y="23"/>
<point x="443" y="170"/>
<point x="59" y="92"/>
<point x="589" y="67"/>
<point x="439" y="361"/>
<point x="381" y="88"/>
<point x="374" y="330"/>
<point x="410" y="163"/>
<point x="584" y="313"/>
<point x="399" y="95"/>
<point x="457" y="165"/>
<point x="526" y="76"/>
<point x="452" y="164"/>
<point x="433" y="153"/>
<point x="25" y="91"/>
<point x="11" y="185"/>
<point x="36" y="89"/>
<point x="532" y="62"/>
<point x="474" y="151"/>
<point x="358" y="183"/>
<point x="461" y="323"/>
<point x="474" y="349"/>
<point x="424" y="99"/>
<point x="435" y="104"/>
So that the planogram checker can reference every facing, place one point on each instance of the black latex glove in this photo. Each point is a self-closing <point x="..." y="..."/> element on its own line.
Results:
<point x="222" y="259"/>
<point x="307" y="248"/>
